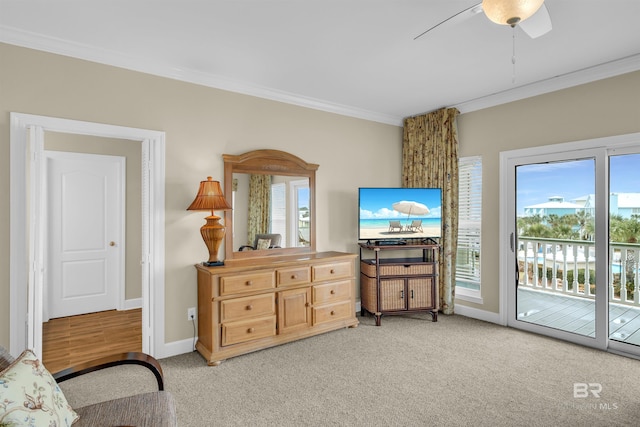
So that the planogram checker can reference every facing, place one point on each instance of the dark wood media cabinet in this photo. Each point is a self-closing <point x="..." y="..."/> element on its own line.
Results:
<point x="399" y="285"/>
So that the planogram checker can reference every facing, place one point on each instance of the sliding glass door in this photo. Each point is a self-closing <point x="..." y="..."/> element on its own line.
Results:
<point x="555" y="245"/>
<point x="573" y="227"/>
<point x="624" y="249"/>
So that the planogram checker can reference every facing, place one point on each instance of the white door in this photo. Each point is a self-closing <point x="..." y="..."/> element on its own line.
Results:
<point x="85" y="211"/>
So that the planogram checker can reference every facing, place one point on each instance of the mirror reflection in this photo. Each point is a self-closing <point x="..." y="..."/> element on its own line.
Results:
<point x="273" y="197"/>
<point x="270" y="207"/>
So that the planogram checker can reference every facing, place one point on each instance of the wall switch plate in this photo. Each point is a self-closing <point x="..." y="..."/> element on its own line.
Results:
<point x="191" y="313"/>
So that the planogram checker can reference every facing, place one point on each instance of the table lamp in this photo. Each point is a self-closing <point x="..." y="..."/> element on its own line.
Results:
<point x="210" y="197"/>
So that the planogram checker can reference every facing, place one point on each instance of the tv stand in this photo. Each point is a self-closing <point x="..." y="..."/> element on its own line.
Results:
<point x="399" y="285"/>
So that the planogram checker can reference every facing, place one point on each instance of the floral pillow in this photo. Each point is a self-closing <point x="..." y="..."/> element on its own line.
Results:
<point x="263" y="244"/>
<point x="29" y="396"/>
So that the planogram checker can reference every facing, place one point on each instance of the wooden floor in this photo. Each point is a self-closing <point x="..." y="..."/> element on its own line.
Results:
<point x="67" y="341"/>
<point x="577" y="315"/>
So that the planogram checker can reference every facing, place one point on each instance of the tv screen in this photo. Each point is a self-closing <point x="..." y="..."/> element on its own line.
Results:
<point x="399" y="213"/>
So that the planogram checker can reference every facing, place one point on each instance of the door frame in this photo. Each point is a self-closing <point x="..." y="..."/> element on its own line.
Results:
<point x="585" y="148"/>
<point x="27" y="228"/>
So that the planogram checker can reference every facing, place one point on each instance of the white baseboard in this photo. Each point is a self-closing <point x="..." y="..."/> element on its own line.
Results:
<point x="130" y="304"/>
<point x="475" y="313"/>
<point x="176" y="348"/>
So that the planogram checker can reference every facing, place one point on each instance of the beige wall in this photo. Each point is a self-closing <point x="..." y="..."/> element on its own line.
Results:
<point x="603" y="108"/>
<point x="203" y="123"/>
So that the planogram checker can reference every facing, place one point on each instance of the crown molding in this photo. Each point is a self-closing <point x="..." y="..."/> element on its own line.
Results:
<point x="59" y="46"/>
<point x="63" y="47"/>
<point x="564" y="81"/>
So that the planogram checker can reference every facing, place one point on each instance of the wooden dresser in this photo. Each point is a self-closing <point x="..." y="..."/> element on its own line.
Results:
<point x="251" y="304"/>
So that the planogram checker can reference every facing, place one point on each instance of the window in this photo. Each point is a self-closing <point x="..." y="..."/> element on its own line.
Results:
<point x="291" y="197"/>
<point x="300" y="205"/>
<point x="279" y="210"/>
<point x="469" y="222"/>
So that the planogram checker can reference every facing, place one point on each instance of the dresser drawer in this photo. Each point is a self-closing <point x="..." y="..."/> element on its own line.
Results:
<point x="331" y="312"/>
<point x="247" y="307"/>
<point x="331" y="292"/>
<point x="247" y="330"/>
<point x="246" y="283"/>
<point x="332" y="271"/>
<point x="293" y="276"/>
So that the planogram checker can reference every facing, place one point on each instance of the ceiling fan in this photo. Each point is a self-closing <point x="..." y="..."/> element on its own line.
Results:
<point x="530" y="15"/>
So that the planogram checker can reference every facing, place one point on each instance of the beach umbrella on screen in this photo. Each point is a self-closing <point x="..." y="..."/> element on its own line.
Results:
<point x="410" y="208"/>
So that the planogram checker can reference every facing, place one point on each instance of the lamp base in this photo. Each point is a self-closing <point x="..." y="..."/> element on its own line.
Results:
<point x="213" y="263"/>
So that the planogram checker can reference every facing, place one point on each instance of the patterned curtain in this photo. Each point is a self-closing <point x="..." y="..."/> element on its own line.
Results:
<point x="259" y="206"/>
<point x="430" y="159"/>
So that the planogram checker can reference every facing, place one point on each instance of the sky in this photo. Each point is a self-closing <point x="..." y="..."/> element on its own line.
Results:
<point x="378" y="202"/>
<point x="303" y="197"/>
<point x="573" y="179"/>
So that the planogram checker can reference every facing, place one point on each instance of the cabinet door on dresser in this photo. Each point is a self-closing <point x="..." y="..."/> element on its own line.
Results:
<point x="294" y="310"/>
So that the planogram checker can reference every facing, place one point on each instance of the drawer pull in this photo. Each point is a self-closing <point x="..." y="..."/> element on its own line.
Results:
<point x="294" y="276"/>
<point x="250" y="330"/>
<point x="249" y="283"/>
<point x="307" y="304"/>
<point x="332" y="271"/>
<point x="333" y="312"/>
<point x="402" y="294"/>
<point x="333" y="291"/>
<point x="249" y="307"/>
<point x="411" y="293"/>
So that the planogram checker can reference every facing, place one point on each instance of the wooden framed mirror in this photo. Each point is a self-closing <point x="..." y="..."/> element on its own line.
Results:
<point x="272" y="192"/>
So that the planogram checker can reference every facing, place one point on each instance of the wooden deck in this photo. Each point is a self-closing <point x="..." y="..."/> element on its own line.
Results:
<point x="577" y="315"/>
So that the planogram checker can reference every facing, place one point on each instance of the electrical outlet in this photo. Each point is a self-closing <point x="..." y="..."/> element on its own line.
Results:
<point x="191" y="313"/>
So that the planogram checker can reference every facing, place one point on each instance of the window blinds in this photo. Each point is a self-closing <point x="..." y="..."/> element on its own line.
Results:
<point x="469" y="219"/>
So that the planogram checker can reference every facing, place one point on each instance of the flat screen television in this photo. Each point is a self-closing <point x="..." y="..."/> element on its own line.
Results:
<point x="397" y="215"/>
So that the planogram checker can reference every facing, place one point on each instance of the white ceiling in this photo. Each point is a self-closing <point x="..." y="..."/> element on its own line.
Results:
<point x="353" y="57"/>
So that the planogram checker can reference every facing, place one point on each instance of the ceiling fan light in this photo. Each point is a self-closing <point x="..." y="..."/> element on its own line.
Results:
<point x="510" y="12"/>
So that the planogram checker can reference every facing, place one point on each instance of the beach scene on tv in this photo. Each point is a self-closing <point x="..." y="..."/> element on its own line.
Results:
<point x="399" y="213"/>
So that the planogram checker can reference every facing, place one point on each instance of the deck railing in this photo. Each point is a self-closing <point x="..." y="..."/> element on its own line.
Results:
<point x="568" y="267"/>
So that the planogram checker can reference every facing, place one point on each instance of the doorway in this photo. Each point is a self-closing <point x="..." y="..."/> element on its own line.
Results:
<point x="28" y="228"/>
<point x="86" y="244"/>
<point x="567" y="273"/>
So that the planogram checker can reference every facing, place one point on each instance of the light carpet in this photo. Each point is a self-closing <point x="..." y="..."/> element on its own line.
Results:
<point x="408" y="372"/>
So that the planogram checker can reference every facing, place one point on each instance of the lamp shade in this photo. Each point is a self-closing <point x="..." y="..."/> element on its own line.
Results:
<point x="209" y="197"/>
<point x="510" y="12"/>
